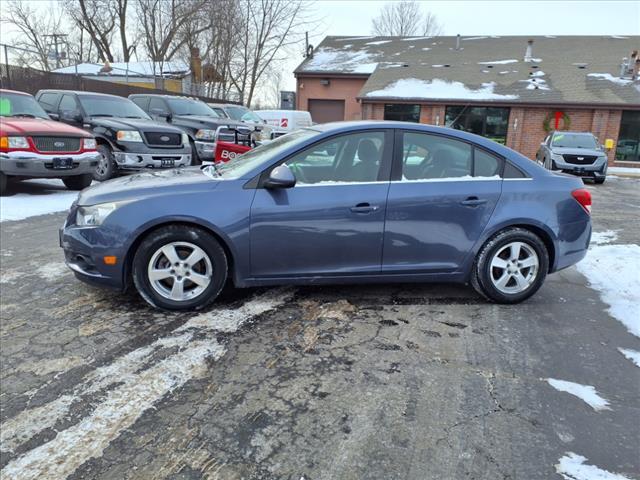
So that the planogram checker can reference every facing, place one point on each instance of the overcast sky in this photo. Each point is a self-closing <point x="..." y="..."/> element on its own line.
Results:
<point x="466" y="17"/>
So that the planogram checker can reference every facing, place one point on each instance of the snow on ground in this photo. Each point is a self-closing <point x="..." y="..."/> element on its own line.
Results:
<point x="586" y="393"/>
<point x="611" y="78"/>
<point x="572" y="467"/>
<point x="436" y="88"/>
<point x="48" y="196"/>
<point x="632" y="355"/>
<point x="600" y="238"/>
<point x="621" y="170"/>
<point x="328" y="59"/>
<point x="614" y="270"/>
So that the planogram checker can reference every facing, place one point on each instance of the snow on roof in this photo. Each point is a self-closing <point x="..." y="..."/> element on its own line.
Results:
<point x="438" y="89"/>
<point x="611" y="78"/>
<point x="380" y="42"/>
<point x="131" y="68"/>
<point x="349" y="61"/>
<point x="499" y="62"/>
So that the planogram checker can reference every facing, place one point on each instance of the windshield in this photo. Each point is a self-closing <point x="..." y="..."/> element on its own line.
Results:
<point x="573" y="140"/>
<point x="186" y="106"/>
<point x="249" y="116"/>
<point x="111" y="106"/>
<point x="263" y="154"/>
<point x="236" y="112"/>
<point x="16" y="105"/>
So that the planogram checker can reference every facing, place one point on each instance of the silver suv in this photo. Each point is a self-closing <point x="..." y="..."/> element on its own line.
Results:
<point x="578" y="153"/>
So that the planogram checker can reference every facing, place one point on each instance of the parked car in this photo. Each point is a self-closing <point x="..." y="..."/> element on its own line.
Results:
<point x="242" y="114"/>
<point x="194" y="117"/>
<point x="34" y="146"/>
<point x="128" y="139"/>
<point x="285" y="121"/>
<point x="294" y="213"/>
<point x="578" y="153"/>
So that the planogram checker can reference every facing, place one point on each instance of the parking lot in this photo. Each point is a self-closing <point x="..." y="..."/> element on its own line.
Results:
<point x="349" y="382"/>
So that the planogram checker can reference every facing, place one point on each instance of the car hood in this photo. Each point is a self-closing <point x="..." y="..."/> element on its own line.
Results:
<point x="134" y="124"/>
<point x="577" y="151"/>
<point x="206" y="121"/>
<point x="35" y="126"/>
<point x="141" y="185"/>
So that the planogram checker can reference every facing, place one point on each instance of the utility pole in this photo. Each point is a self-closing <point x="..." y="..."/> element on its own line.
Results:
<point x="57" y="42"/>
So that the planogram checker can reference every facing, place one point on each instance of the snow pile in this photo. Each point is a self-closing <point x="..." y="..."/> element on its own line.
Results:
<point x="499" y="62"/>
<point x="632" y="355"/>
<point x="441" y="89"/>
<point x="600" y="238"/>
<point x="586" y="393"/>
<point x="611" y="78"/>
<point x="536" y="82"/>
<point x="131" y="68"/>
<point x="614" y="270"/>
<point x="572" y="467"/>
<point x="53" y="197"/>
<point x="328" y="59"/>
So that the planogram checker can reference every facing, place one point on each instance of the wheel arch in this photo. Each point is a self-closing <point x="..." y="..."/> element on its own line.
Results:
<point x="145" y="232"/>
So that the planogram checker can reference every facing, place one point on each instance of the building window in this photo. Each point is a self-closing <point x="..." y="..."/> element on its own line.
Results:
<point x="402" y="113"/>
<point x="628" y="148"/>
<point x="490" y="122"/>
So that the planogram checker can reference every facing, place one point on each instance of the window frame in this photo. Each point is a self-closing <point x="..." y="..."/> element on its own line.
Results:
<point x="384" y="114"/>
<point x="386" y="161"/>
<point x="484" y="119"/>
<point x="398" y="154"/>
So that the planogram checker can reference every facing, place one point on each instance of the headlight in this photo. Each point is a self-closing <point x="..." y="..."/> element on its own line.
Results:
<point x="89" y="143"/>
<point x="557" y="156"/>
<point x="185" y="139"/>
<point x="128" y="136"/>
<point x="206" y="134"/>
<point x="14" y="142"/>
<point x="94" y="215"/>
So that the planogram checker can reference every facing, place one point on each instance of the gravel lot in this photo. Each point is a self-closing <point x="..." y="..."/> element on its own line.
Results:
<point x="349" y="382"/>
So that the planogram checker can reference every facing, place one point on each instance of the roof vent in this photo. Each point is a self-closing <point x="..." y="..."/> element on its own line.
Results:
<point x="528" y="54"/>
<point x="458" y="42"/>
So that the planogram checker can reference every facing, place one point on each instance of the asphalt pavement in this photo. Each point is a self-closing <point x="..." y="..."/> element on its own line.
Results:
<point x="348" y="382"/>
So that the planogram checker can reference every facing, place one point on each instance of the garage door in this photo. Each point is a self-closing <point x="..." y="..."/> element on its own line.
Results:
<point x="323" y="111"/>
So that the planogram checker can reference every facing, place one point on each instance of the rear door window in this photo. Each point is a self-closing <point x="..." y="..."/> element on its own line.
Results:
<point x="434" y="157"/>
<point x="486" y="164"/>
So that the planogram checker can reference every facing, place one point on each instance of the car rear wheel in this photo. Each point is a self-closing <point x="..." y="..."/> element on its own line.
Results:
<point x="77" y="182"/>
<point x="179" y="268"/>
<point x="106" y="168"/>
<point x="511" y="266"/>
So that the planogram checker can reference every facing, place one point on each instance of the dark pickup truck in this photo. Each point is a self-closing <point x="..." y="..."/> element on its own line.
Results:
<point x="196" y="119"/>
<point x="128" y="139"/>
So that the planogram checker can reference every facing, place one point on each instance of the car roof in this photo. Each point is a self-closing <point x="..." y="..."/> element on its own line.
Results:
<point x="162" y="95"/>
<point x="78" y="92"/>
<point x="6" y="90"/>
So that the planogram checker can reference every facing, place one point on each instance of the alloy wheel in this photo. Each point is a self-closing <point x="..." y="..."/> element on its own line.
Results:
<point x="180" y="271"/>
<point x="514" y="267"/>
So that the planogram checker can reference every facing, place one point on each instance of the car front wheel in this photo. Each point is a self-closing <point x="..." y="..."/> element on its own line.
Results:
<point x="511" y="266"/>
<point x="179" y="268"/>
<point x="106" y="168"/>
<point x="77" y="182"/>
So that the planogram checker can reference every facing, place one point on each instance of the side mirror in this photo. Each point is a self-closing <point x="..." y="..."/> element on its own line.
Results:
<point x="54" y="116"/>
<point x="280" y="177"/>
<point x="70" y="116"/>
<point x="158" y="112"/>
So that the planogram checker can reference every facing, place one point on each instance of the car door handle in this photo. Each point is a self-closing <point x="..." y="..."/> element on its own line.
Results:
<point x="473" y="202"/>
<point x="364" y="208"/>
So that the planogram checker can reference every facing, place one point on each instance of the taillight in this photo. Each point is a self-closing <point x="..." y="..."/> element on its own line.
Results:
<point x="583" y="197"/>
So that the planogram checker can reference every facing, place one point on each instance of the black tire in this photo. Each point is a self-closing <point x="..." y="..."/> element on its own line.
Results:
<point x="481" y="274"/>
<point x="77" y="182"/>
<point x="599" y="181"/>
<point x="181" y="234"/>
<point x="3" y="183"/>
<point x="106" y="168"/>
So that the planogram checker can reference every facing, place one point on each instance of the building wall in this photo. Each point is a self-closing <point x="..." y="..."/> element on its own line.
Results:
<point x="526" y="130"/>
<point x="346" y="89"/>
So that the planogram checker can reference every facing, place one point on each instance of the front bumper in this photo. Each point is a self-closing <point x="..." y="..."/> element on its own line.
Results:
<point x="137" y="161"/>
<point x="40" y="165"/>
<point x="84" y="251"/>
<point x="206" y="150"/>
<point x="597" y="169"/>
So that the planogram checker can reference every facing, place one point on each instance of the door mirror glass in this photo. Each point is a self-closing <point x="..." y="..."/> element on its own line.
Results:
<point x="158" y="112"/>
<point x="71" y="116"/>
<point x="280" y="177"/>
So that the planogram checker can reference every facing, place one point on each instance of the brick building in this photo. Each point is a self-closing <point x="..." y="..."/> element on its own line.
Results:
<point x="511" y="89"/>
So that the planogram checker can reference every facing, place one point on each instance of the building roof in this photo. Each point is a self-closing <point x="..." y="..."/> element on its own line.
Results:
<point x="563" y="69"/>
<point x="132" y="69"/>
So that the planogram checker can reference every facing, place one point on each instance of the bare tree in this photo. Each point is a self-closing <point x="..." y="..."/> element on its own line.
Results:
<point x="36" y="28"/>
<point x="267" y="27"/>
<point x="103" y="20"/>
<point x="405" y="19"/>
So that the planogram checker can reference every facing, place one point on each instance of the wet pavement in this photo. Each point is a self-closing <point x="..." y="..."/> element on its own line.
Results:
<point x="348" y="382"/>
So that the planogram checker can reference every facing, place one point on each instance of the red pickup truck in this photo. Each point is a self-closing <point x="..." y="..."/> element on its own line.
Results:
<point x="34" y="146"/>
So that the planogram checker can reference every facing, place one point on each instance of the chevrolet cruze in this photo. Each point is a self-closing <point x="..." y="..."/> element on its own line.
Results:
<point x="336" y="203"/>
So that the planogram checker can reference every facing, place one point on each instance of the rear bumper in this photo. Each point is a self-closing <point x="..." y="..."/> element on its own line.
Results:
<point x="572" y="244"/>
<point x="40" y="165"/>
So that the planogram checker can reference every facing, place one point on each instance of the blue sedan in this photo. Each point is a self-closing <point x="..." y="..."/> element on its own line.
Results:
<point x="337" y="203"/>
